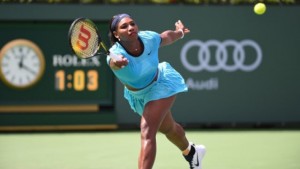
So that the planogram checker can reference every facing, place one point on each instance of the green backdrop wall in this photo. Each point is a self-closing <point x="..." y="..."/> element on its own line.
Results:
<point x="240" y="67"/>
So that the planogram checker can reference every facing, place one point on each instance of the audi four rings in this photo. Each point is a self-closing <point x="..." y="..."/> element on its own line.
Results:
<point x="221" y="55"/>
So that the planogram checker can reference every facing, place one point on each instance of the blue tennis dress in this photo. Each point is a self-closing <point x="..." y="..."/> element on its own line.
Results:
<point x="142" y="70"/>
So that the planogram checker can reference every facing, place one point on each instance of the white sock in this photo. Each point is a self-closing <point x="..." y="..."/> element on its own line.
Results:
<point x="187" y="150"/>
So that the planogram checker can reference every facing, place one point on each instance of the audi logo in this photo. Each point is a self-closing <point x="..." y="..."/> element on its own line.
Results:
<point x="220" y="53"/>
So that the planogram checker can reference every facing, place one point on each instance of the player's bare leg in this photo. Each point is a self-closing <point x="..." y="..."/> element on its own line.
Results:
<point x="154" y="114"/>
<point x="174" y="132"/>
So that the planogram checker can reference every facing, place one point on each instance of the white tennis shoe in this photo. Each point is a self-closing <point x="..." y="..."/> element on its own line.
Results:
<point x="196" y="161"/>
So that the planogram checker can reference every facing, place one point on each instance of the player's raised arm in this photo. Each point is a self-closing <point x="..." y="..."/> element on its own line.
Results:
<point x="170" y="36"/>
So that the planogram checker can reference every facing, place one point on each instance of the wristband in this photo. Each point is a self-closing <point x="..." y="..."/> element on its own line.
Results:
<point x="182" y="33"/>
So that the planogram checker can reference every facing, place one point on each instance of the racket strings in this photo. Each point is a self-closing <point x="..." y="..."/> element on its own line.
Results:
<point x="84" y="39"/>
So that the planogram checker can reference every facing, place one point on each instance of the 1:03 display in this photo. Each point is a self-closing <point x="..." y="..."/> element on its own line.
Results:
<point x="79" y="80"/>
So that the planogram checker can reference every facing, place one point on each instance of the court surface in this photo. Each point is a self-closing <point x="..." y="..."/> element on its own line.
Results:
<point x="258" y="149"/>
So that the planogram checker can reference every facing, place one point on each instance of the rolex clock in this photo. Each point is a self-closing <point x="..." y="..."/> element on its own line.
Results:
<point x="22" y="64"/>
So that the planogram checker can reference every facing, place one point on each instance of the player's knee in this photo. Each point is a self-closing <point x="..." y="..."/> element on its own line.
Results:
<point x="147" y="131"/>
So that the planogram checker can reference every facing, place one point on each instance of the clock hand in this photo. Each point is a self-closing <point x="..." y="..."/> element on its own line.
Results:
<point x="21" y="62"/>
<point x="28" y="69"/>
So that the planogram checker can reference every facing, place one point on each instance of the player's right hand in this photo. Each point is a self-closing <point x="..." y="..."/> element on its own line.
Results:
<point x="120" y="63"/>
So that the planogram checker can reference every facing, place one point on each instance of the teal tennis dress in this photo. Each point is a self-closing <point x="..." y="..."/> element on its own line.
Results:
<point x="141" y="72"/>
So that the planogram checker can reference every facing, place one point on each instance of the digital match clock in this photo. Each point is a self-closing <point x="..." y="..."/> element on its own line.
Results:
<point x="79" y="80"/>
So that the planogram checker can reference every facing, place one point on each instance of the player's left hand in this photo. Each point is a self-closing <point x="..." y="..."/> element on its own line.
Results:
<point x="179" y="25"/>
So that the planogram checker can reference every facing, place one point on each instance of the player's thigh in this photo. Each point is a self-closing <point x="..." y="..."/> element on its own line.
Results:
<point x="155" y="112"/>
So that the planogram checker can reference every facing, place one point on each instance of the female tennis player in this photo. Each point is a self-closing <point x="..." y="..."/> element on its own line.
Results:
<point x="151" y="87"/>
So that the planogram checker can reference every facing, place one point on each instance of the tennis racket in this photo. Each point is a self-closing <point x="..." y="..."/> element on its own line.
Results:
<point x="86" y="41"/>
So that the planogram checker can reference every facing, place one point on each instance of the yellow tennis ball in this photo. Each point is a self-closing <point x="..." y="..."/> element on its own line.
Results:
<point x="260" y="8"/>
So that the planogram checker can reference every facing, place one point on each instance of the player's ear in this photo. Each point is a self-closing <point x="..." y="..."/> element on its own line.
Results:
<point x="116" y="35"/>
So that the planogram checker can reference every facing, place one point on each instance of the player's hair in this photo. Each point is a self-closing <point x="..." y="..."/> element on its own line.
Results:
<point x="111" y="36"/>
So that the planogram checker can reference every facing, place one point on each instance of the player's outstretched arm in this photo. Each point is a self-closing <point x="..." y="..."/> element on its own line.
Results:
<point x="170" y="36"/>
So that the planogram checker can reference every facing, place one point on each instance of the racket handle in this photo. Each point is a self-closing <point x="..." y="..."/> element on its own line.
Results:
<point x="114" y="56"/>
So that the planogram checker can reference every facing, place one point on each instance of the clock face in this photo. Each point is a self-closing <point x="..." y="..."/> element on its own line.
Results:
<point x="21" y="63"/>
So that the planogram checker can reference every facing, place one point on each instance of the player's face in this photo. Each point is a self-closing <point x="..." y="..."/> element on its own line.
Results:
<point x="126" y="30"/>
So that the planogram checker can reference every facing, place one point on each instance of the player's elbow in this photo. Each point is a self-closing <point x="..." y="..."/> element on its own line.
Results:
<point x="167" y="38"/>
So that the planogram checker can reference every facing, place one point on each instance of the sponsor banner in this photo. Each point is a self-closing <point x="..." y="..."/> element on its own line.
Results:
<point x="239" y="67"/>
<point x="214" y="56"/>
